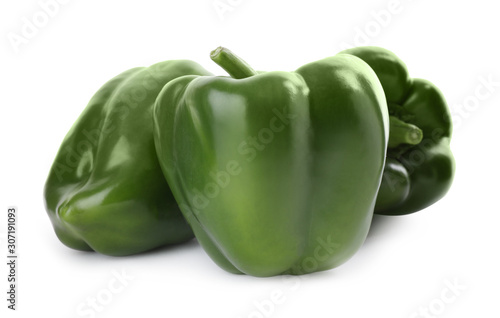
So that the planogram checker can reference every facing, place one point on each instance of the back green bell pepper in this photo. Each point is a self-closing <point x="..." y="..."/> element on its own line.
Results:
<point x="278" y="172"/>
<point x="105" y="190"/>
<point x="420" y="165"/>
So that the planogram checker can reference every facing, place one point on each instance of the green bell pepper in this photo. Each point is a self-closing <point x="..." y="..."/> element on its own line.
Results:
<point x="105" y="190"/>
<point x="420" y="165"/>
<point x="277" y="172"/>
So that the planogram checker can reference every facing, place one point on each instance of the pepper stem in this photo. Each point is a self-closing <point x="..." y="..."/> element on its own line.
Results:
<point x="403" y="133"/>
<point x="234" y="65"/>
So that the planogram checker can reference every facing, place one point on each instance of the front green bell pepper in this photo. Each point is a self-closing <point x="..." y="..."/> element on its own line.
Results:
<point x="277" y="172"/>
<point x="420" y="165"/>
<point x="106" y="191"/>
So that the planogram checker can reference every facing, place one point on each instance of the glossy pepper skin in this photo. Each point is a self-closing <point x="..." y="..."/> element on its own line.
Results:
<point x="418" y="172"/>
<point x="106" y="191"/>
<point x="277" y="173"/>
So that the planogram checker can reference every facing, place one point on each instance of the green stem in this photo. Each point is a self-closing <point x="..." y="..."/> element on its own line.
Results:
<point x="233" y="64"/>
<point x="403" y="133"/>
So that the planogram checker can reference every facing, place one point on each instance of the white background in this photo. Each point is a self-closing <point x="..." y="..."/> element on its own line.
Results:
<point x="407" y="262"/>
